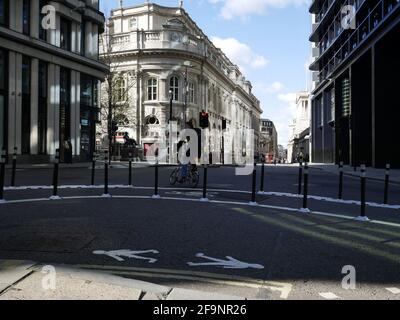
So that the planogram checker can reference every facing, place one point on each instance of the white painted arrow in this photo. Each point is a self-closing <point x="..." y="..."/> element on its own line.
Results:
<point x="231" y="263"/>
<point x="118" y="254"/>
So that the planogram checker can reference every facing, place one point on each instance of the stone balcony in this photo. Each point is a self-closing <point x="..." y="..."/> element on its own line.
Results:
<point x="157" y="40"/>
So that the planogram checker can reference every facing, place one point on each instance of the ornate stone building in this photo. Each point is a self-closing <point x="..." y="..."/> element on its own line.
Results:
<point x="49" y="77"/>
<point x="159" y="53"/>
<point x="268" y="140"/>
<point x="299" y="129"/>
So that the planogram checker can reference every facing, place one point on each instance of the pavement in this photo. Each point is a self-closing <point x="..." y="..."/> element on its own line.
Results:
<point x="26" y="280"/>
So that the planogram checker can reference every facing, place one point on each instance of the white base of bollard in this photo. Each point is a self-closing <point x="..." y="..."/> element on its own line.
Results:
<point x="205" y="200"/>
<point x="55" y="198"/>
<point x="304" y="210"/>
<point x="253" y="203"/>
<point x="362" y="219"/>
<point x="156" y="196"/>
<point x="2" y="201"/>
<point x="106" y="195"/>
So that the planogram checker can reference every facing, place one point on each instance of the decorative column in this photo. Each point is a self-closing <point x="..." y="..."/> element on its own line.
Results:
<point x="35" y="14"/>
<point x="88" y="39"/>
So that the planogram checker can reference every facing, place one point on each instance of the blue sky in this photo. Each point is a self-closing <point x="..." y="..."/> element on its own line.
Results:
<point x="268" y="39"/>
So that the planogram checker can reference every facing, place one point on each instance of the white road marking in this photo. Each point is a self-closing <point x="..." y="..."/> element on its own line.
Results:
<point x="246" y="204"/>
<point x="118" y="254"/>
<point x="230" y="263"/>
<point x="329" y="296"/>
<point x="393" y="290"/>
<point x="277" y="194"/>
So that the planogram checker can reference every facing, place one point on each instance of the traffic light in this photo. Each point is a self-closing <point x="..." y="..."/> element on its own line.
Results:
<point x="114" y="127"/>
<point x="204" y="121"/>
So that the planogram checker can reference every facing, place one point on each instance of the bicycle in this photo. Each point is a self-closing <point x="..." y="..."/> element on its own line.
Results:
<point x="192" y="178"/>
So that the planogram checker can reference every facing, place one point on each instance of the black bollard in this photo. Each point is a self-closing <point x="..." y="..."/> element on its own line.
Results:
<point x="340" y="181"/>
<point x="2" y="173"/>
<point x="130" y="169"/>
<point x="305" y="192"/>
<point x="205" y="199"/>
<point x="262" y="177"/>
<point x="387" y="175"/>
<point x="363" y="217"/>
<point x="93" y="167"/>
<point x="14" y="167"/>
<point x="106" y="163"/>
<point x="156" y="193"/>
<point x="254" y="183"/>
<point x="300" y="177"/>
<point x="55" y="175"/>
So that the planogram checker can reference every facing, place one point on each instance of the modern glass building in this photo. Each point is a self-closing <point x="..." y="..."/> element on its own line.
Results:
<point x="49" y="77"/>
<point x="355" y="104"/>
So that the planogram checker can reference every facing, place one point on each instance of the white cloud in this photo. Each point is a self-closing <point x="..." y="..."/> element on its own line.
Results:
<point x="239" y="8"/>
<point x="289" y="98"/>
<point x="273" y="88"/>
<point x="240" y="53"/>
<point x="286" y="115"/>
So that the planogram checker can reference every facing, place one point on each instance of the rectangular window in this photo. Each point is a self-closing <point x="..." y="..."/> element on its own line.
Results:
<point x="4" y="13"/>
<point x="152" y="89"/>
<point x="120" y="90"/>
<point x="42" y="108"/>
<point x="3" y="69"/>
<point x="26" y="17"/>
<point x="3" y="95"/>
<point x="174" y="88"/>
<point x="192" y="98"/>
<point x="96" y="93"/>
<point x="42" y="31"/>
<point x="333" y="107"/>
<point x="26" y="106"/>
<point x="89" y="115"/>
<point x="345" y="97"/>
<point x="83" y="37"/>
<point x="330" y="100"/>
<point x="65" y="113"/>
<point x="86" y="90"/>
<point x="65" y="34"/>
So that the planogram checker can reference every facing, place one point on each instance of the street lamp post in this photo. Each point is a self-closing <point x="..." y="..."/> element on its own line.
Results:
<point x="187" y="65"/>
<point x="171" y="98"/>
<point x="186" y="94"/>
<point x="170" y="149"/>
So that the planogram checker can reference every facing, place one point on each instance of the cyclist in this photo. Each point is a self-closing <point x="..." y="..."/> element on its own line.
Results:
<point x="184" y="168"/>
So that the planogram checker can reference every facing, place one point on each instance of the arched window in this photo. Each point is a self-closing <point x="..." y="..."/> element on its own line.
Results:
<point x="120" y="90"/>
<point x="192" y="92"/>
<point x="152" y="89"/>
<point x="152" y="120"/>
<point x="174" y="87"/>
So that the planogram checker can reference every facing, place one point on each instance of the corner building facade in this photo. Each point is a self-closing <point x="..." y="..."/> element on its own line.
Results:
<point x="159" y="53"/>
<point x="49" y="78"/>
<point x="355" y="104"/>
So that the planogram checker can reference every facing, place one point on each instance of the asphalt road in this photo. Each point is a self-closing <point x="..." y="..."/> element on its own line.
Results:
<point x="286" y="254"/>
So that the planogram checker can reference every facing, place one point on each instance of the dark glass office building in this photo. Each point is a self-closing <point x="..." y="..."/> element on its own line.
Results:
<point x="356" y="102"/>
<point x="49" y="79"/>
